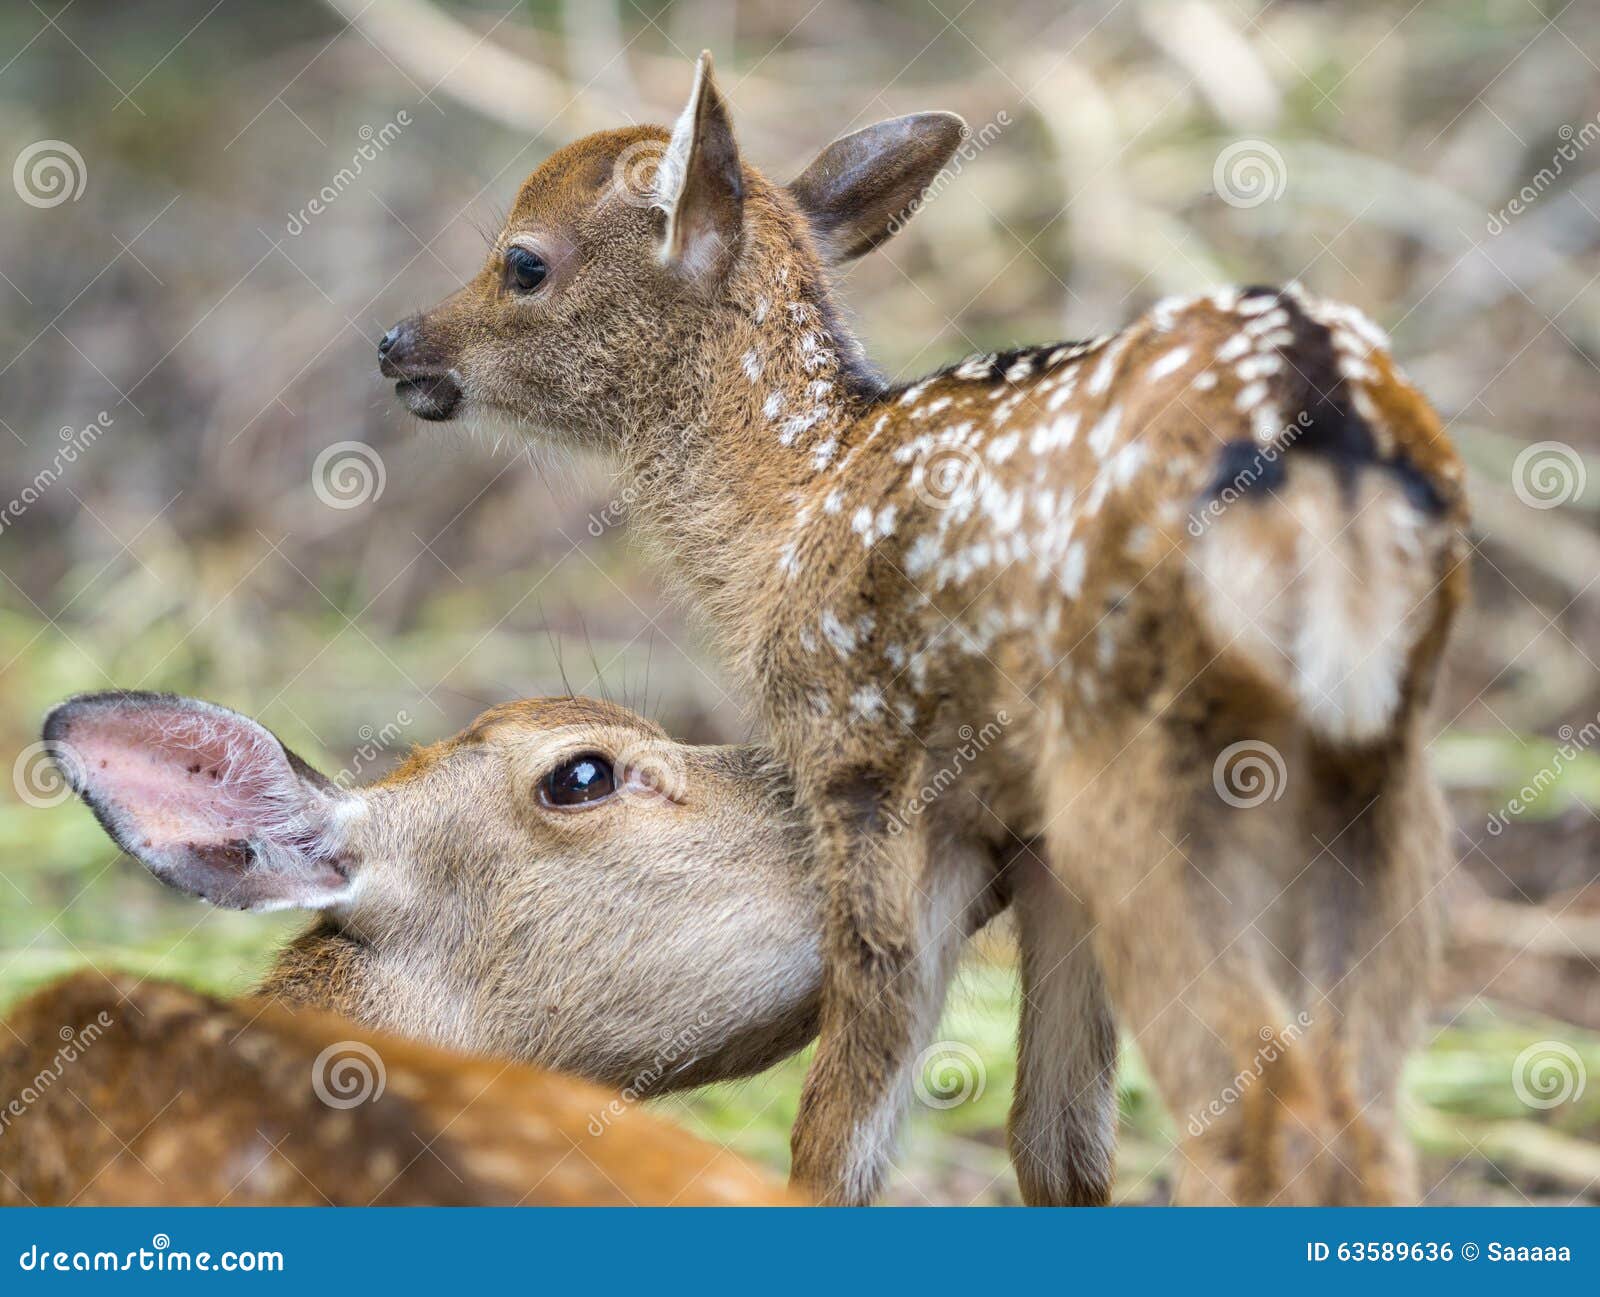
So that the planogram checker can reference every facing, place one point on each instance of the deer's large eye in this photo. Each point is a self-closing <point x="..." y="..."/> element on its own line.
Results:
<point x="579" y="781"/>
<point x="525" y="270"/>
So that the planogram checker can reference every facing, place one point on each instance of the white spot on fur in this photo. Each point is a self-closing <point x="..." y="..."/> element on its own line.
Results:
<point x="1056" y="435"/>
<point x="1170" y="363"/>
<point x="1002" y="448"/>
<point x="1073" y="568"/>
<point x="1235" y="348"/>
<point x="923" y="554"/>
<point x="867" y="702"/>
<point x="1105" y="432"/>
<point x="1249" y="397"/>
<point x="840" y="636"/>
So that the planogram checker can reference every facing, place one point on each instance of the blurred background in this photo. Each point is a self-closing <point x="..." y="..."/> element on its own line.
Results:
<point x="217" y="207"/>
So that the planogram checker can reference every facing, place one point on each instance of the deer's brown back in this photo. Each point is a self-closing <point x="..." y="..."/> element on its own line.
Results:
<point x="123" y="1092"/>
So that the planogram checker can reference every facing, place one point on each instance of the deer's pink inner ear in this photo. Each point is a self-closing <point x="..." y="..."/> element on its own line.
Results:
<point x="208" y="799"/>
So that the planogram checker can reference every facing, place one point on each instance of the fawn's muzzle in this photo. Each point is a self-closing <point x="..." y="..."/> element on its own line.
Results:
<point x="426" y="385"/>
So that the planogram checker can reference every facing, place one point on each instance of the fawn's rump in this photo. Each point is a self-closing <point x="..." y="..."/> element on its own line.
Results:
<point x="1333" y="558"/>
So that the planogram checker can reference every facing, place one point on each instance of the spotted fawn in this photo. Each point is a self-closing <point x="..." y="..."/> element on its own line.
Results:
<point x="1081" y="601"/>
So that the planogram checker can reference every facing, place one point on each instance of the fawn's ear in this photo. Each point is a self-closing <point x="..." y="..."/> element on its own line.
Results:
<point x="863" y="187"/>
<point x="211" y="802"/>
<point x="698" y="183"/>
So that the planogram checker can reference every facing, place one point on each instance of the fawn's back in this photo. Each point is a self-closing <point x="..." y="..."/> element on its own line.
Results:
<point x="126" y="1092"/>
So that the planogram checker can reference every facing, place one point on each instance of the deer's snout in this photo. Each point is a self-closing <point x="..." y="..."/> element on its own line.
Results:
<point x="427" y="384"/>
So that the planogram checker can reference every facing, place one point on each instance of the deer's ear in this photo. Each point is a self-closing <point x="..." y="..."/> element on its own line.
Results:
<point x="863" y="187"/>
<point x="208" y="800"/>
<point x="698" y="183"/>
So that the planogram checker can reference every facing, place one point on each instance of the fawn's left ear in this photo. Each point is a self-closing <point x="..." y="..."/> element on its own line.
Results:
<point x="208" y="800"/>
<point x="698" y="183"/>
<point x="863" y="187"/>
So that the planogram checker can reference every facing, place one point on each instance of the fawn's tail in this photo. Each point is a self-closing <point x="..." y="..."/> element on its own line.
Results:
<point x="1333" y="559"/>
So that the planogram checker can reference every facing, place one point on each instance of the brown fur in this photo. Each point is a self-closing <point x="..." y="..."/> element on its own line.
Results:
<point x="1072" y="580"/>
<point x="663" y="938"/>
<point x="184" y="1100"/>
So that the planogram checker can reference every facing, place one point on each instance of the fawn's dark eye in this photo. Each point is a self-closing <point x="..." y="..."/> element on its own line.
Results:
<point x="526" y="270"/>
<point x="578" y="781"/>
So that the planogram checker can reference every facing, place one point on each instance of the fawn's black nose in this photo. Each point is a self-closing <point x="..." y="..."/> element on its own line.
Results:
<point x="386" y="343"/>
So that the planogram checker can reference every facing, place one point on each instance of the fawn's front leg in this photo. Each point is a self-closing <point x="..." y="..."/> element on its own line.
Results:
<point x="896" y="922"/>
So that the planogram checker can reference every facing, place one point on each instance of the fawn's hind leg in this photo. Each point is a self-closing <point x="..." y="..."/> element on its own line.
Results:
<point x="1369" y="915"/>
<point x="899" y="912"/>
<point x="1063" y="1128"/>
<point x="1133" y="830"/>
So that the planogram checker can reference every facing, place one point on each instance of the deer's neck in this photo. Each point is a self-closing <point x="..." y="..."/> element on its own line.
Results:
<point x="322" y="968"/>
<point x="780" y="400"/>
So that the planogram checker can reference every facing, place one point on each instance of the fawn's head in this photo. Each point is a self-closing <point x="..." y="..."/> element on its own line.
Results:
<point x="639" y="265"/>
<point x="560" y="882"/>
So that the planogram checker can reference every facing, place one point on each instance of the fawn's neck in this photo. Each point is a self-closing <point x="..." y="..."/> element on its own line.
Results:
<point x="720" y="487"/>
